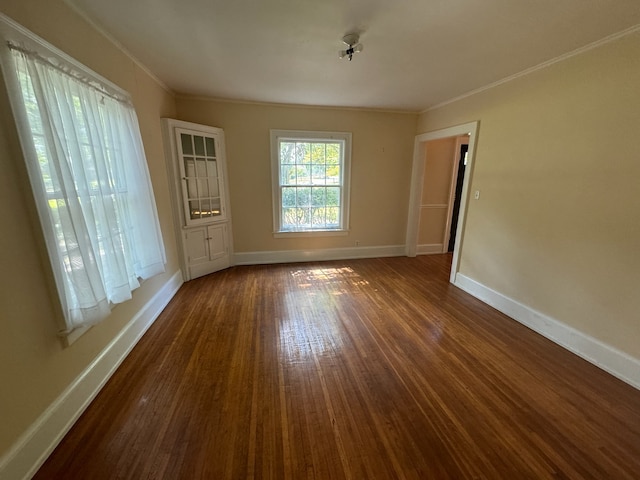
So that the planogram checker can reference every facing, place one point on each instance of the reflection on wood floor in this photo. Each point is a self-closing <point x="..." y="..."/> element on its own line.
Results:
<point x="375" y="368"/>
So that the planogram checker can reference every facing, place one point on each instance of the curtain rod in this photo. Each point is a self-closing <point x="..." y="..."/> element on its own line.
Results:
<point x="70" y="72"/>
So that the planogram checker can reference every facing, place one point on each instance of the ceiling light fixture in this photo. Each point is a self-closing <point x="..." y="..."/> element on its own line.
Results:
<point x="351" y="41"/>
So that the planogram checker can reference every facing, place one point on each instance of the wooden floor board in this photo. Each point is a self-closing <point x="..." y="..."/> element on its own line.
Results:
<point x="359" y="369"/>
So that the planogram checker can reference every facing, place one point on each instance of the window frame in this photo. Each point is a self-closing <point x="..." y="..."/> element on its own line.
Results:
<point x="278" y="136"/>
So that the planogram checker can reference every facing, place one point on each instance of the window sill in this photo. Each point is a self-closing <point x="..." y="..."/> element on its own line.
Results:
<point x="314" y="233"/>
<point x="69" y="338"/>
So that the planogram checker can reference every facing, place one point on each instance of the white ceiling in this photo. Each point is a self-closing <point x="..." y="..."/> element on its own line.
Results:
<point x="417" y="53"/>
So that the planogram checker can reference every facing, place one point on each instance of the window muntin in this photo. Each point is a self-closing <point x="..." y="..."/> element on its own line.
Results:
<point x="310" y="181"/>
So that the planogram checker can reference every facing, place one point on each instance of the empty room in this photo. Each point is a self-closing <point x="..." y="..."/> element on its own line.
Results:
<point x="330" y="239"/>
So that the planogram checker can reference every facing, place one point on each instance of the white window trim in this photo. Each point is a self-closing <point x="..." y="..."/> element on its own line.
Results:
<point x="301" y="135"/>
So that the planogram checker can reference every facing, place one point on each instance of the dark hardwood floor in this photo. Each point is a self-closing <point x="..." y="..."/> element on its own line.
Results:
<point x="358" y="369"/>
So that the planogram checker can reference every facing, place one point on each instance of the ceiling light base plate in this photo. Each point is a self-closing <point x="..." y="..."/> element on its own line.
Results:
<point x="351" y="39"/>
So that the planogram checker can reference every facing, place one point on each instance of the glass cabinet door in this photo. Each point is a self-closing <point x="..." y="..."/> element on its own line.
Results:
<point x="201" y="177"/>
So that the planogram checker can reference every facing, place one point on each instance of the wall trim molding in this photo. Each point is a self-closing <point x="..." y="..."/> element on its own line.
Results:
<point x="608" y="358"/>
<point x="317" y="255"/>
<point x="102" y="31"/>
<point x="33" y="447"/>
<point x="435" y="205"/>
<point x="565" y="56"/>
<point x="429" y="248"/>
<point x="204" y="98"/>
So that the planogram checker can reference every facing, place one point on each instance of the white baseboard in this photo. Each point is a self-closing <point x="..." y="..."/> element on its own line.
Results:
<point x="291" y="256"/>
<point x="33" y="447"/>
<point x="429" y="248"/>
<point x="617" y="363"/>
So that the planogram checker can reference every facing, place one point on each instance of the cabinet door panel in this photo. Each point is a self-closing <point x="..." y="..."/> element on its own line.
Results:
<point x="217" y="244"/>
<point x="197" y="245"/>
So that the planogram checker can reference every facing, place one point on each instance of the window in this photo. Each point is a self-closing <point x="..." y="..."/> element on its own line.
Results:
<point x="89" y="176"/>
<point x="310" y="173"/>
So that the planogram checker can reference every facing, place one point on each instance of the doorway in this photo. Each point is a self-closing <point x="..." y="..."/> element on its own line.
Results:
<point x="417" y="181"/>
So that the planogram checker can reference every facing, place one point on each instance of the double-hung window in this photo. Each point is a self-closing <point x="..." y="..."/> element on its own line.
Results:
<point x="310" y="174"/>
<point x="89" y="176"/>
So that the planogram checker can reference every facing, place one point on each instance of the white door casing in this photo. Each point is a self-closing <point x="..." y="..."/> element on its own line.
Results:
<point x="417" y="177"/>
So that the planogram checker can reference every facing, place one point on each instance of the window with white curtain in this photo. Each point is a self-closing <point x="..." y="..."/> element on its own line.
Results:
<point x="90" y="180"/>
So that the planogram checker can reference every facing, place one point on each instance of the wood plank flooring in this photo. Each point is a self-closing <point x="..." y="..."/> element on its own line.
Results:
<point x="361" y="369"/>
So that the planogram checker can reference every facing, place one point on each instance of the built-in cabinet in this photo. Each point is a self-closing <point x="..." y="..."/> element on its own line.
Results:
<point x="207" y="249"/>
<point x="196" y="162"/>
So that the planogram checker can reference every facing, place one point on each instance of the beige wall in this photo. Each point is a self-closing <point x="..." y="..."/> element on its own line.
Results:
<point x="34" y="367"/>
<point x="436" y="186"/>
<point x="380" y="169"/>
<point x="557" y="225"/>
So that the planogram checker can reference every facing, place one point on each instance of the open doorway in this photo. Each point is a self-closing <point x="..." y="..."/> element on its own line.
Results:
<point x="455" y="232"/>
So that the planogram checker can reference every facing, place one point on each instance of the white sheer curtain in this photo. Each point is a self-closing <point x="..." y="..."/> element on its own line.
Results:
<point x="95" y="197"/>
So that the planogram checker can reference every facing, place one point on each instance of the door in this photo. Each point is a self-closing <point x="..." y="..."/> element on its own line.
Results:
<point x="462" y="162"/>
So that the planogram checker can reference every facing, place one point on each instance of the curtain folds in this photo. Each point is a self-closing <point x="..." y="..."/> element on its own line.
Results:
<point x="96" y="190"/>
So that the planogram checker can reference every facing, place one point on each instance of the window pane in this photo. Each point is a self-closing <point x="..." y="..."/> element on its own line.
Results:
<point x="212" y="168"/>
<point x="289" y="218"/>
<point x="317" y="153"/>
<point x="303" y="196"/>
<point x="333" y="196"/>
<point x="187" y="148"/>
<point x="333" y="176"/>
<point x="194" y="209"/>
<point x="210" y="146"/>
<point x="287" y="150"/>
<point x="318" y="196"/>
<point x="303" y="218"/>
<point x="216" y="206"/>
<point x="203" y="187"/>
<point x="303" y="175"/>
<point x="214" y="190"/>
<point x="189" y="167"/>
<point x="201" y="167"/>
<point x="303" y="153"/>
<point x="333" y="153"/>
<point x="288" y="175"/>
<point x="289" y="197"/>
<point x="318" y="174"/>
<point x="192" y="191"/>
<point x="205" y="205"/>
<point x="199" y="144"/>
<point x="318" y="217"/>
<point x="333" y="217"/>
